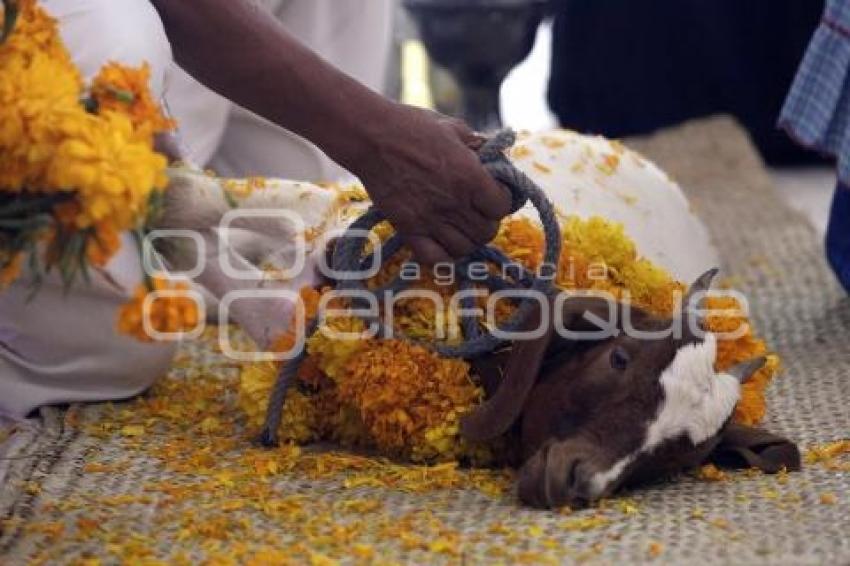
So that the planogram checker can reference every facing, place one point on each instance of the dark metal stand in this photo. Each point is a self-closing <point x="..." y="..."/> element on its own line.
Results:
<point x="478" y="42"/>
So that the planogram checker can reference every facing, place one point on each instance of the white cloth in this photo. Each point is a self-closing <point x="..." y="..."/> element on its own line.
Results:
<point x="353" y="35"/>
<point x="99" y="31"/>
<point x="58" y="348"/>
<point x="62" y="348"/>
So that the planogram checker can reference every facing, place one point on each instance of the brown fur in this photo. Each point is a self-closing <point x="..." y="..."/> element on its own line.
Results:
<point x="575" y="410"/>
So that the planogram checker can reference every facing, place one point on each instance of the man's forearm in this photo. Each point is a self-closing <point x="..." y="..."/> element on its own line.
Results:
<point x="417" y="166"/>
<point x="235" y="48"/>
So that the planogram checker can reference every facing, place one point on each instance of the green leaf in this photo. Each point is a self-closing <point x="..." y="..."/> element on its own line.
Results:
<point x="28" y="205"/>
<point x="73" y="255"/>
<point x="231" y="200"/>
<point x="10" y="17"/>
<point x="122" y="95"/>
<point x="35" y="269"/>
<point x="156" y="203"/>
<point x="139" y="238"/>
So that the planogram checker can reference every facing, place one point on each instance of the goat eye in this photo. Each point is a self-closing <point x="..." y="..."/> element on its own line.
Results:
<point x="619" y="359"/>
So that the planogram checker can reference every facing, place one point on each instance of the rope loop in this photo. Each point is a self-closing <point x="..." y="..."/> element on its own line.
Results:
<point x="349" y="261"/>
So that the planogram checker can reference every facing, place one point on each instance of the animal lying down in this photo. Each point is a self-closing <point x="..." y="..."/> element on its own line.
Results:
<point x="588" y="417"/>
<point x="578" y="418"/>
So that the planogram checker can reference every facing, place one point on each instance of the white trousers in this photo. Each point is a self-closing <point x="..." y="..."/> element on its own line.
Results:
<point x="353" y="35"/>
<point x="57" y="348"/>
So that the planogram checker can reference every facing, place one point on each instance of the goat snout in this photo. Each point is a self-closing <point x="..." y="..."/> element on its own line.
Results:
<point x="555" y="476"/>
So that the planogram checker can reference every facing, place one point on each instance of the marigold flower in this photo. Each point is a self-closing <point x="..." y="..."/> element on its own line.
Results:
<point x="168" y="314"/>
<point x="35" y="32"/>
<point x="124" y="90"/>
<point x="407" y="401"/>
<point x="32" y="95"/>
<point x="403" y="391"/>
<point x="52" y="146"/>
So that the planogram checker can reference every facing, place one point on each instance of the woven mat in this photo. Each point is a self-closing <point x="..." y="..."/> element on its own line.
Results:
<point x="74" y="489"/>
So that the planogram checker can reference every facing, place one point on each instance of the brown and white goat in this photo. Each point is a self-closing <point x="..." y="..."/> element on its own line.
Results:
<point x="590" y="416"/>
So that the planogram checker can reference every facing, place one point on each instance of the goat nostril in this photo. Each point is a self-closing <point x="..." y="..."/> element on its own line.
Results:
<point x="564" y="479"/>
<point x="577" y="475"/>
<point x="577" y="484"/>
<point x="554" y="477"/>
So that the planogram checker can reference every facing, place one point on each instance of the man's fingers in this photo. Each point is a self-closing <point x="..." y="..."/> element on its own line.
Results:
<point x="471" y="139"/>
<point x="427" y="251"/>
<point x="455" y="242"/>
<point x="492" y="199"/>
<point x="474" y="227"/>
<point x="484" y="232"/>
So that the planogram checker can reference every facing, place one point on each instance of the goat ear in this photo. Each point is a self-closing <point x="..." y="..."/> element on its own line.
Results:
<point x="496" y="415"/>
<point x="743" y="446"/>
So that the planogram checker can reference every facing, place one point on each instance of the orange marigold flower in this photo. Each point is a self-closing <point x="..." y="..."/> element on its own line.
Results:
<point x="104" y="243"/>
<point x="727" y="317"/>
<point x="407" y="401"/>
<point x="402" y="390"/>
<point x="167" y="314"/>
<point x="35" y="32"/>
<point x="125" y="90"/>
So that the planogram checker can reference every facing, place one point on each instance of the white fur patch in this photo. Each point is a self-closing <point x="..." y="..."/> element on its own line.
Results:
<point x="601" y="480"/>
<point x="697" y="401"/>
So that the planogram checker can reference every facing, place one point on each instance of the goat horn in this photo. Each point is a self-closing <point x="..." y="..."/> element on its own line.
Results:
<point x="701" y="285"/>
<point x="745" y="370"/>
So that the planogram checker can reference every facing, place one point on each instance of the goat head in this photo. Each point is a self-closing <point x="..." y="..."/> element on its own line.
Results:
<point x="593" y="415"/>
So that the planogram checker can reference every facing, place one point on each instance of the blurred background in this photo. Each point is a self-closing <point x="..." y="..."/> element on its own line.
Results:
<point x="615" y="67"/>
<point x="619" y="68"/>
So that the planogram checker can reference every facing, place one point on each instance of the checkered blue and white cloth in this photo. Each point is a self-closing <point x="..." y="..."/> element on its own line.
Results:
<point x="817" y="110"/>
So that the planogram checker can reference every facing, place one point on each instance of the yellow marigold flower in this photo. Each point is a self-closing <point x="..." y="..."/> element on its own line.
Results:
<point x="112" y="173"/>
<point x="407" y="401"/>
<point x="48" y="142"/>
<point x="35" y="32"/>
<point x="36" y="75"/>
<point x="597" y="239"/>
<point x="332" y="355"/>
<point x="522" y="241"/>
<point x="164" y="314"/>
<point x="125" y="90"/>
<point x="650" y="287"/>
<point x="32" y="95"/>
<point x="301" y="418"/>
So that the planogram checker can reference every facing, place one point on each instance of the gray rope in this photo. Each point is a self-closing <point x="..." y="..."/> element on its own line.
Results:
<point x="348" y="259"/>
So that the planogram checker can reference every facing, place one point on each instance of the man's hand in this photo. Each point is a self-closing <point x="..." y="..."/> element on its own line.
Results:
<point x="424" y="174"/>
<point x="420" y="168"/>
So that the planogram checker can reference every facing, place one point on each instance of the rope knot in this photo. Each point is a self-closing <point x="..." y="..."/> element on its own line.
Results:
<point x="492" y="156"/>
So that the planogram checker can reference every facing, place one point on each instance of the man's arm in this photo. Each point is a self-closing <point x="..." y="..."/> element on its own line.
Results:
<point x="416" y="165"/>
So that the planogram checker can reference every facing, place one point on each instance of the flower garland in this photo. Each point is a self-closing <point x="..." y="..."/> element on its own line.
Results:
<point x="407" y="401"/>
<point x="77" y="165"/>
